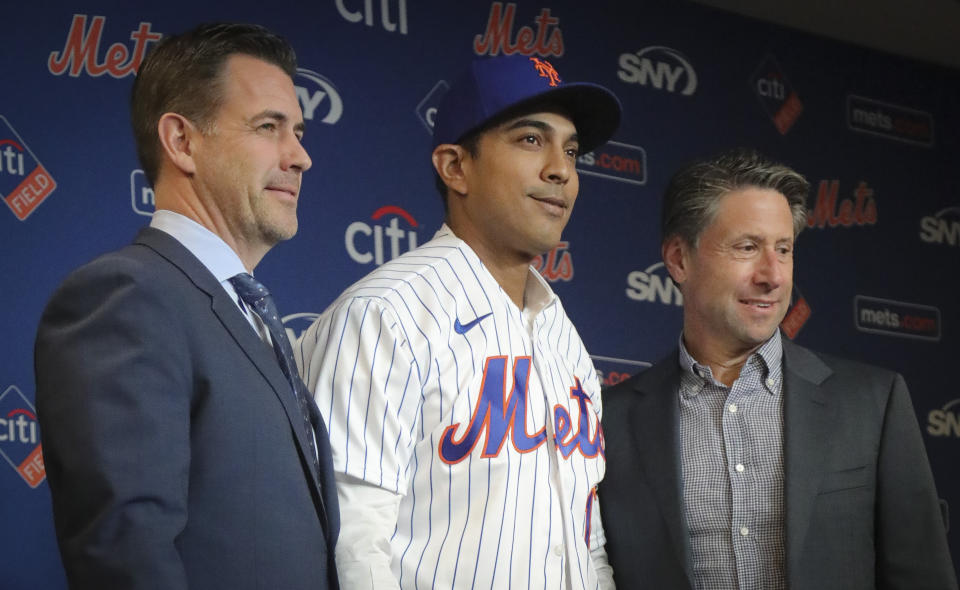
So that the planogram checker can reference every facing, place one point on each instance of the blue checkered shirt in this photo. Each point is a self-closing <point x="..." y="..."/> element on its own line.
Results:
<point x="732" y="452"/>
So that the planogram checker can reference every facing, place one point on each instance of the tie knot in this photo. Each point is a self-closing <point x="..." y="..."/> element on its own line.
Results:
<point x="248" y="288"/>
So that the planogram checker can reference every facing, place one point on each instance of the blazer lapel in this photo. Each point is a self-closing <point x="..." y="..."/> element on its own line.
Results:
<point x="656" y="413"/>
<point x="261" y="355"/>
<point x="808" y="423"/>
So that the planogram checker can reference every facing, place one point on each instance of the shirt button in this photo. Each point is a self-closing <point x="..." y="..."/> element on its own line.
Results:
<point x="744" y="531"/>
<point x="771" y="382"/>
<point x="733" y="408"/>
<point x="740" y="468"/>
<point x="558" y="550"/>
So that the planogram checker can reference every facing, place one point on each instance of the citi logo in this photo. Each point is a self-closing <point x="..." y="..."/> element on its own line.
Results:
<point x="365" y="12"/>
<point x="943" y="227"/>
<point x="296" y="324"/>
<point x="653" y="285"/>
<point x="24" y="182"/>
<point x="141" y="194"/>
<point x="11" y="158"/>
<point x="81" y="50"/>
<point x="20" y="436"/>
<point x="945" y="421"/>
<point x="777" y="96"/>
<point x="896" y="318"/>
<point x="555" y="265"/>
<point x="365" y="242"/>
<point x="662" y="67"/>
<point x="427" y="109"/>
<point x="617" y="161"/>
<point x="546" y="41"/>
<point x="318" y="97"/>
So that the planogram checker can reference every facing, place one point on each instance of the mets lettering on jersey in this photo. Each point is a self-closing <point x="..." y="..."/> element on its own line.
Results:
<point x="484" y="418"/>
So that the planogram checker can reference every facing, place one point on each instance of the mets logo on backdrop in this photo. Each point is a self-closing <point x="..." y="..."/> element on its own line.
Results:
<point x="555" y="265"/>
<point x="24" y="182"/>
<point x="81" y="50"/>
<point x="776" y="95"/>
<point x="20" y="437"/>
<point x="545" y="41"/>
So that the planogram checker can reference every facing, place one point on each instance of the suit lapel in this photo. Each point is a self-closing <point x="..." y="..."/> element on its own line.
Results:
<point x="656" y="413"/>
<point x="261" y="355"/>
<point x="808" y="424"/>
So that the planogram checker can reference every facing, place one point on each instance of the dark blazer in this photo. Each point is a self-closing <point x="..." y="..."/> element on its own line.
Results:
<point x="861" y="509"/>
<point x="171" y="436"/>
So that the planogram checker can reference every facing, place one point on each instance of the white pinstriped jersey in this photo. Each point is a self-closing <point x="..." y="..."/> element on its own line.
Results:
<point x="432" y="387"/>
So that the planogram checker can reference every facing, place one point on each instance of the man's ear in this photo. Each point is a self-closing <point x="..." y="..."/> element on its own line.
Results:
<point x="675" y="252"/>
<point x="178" y="138"/>
<point x="448" y="162"/>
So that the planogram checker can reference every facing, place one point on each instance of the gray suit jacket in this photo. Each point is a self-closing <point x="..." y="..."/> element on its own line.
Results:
<point x="174" y="447"/>
<point x="861" y="508"/>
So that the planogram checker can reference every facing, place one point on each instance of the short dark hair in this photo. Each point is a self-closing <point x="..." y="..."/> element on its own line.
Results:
<point x="694" y="193"/>
<point x="183" y="74"/>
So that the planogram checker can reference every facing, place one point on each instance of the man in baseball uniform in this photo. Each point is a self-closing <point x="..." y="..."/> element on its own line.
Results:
<point x="463" y="408"/>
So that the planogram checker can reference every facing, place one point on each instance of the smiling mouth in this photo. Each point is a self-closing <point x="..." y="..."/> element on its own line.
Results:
<point x="759" y="304"/>
<point x="291" y="191"/>
<point x="555" y="205"/>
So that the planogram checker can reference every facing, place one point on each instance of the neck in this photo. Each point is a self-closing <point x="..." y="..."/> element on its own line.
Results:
<point x="724" y="364"/>
<point x="509" y="269"/>
<point x="180" y="198"/>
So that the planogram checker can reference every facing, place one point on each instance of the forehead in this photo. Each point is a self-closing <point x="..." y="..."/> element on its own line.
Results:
<point x="753" y="210"/>
<point x="255" y="83"/>
<point x="555" y="117"/>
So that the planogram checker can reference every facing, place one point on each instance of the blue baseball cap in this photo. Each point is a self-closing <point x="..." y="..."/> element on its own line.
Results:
<point x="492" y="86"/>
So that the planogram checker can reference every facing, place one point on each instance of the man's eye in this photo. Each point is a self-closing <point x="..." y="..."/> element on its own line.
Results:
<point x="268" y="126"/>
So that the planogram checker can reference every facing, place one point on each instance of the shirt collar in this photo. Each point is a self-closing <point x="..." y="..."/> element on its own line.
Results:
<point x="769" y="355"/>
<point x="208" y="247"/>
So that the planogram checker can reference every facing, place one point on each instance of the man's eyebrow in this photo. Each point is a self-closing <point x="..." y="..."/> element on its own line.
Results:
<point x="279" y="117"/>
<point x="538" y="124"/>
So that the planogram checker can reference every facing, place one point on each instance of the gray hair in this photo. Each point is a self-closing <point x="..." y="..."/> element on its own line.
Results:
<point x="693" y="196"/>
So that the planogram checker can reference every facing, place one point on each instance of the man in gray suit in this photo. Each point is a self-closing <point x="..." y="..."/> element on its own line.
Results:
<point x="743" y="460"/>
<point x="182" y="449"/>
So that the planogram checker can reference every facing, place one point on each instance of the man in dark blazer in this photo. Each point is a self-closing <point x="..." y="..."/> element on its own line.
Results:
<point x="743" y="460"/>
<point x="178" y="451"/>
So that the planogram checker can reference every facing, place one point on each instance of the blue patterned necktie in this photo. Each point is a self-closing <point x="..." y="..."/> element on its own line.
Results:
<point x="256" y="296"/>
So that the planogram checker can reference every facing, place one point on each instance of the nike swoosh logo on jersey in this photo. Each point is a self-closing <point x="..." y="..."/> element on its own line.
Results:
<point x="464" y="328"/>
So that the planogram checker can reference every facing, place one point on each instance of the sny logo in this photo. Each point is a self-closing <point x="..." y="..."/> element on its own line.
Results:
<point x="20" y="437"/>
<point x="660" y="67"/>
<point x="861" y="210"/>
<point x="368" y="11"/>
<point x="312" y="89"/>
<point x="80" y="50"/>
<point x="555" y="265"/>
<point x="24" y="182"/>
<point x="945" y="421"/>
<point x="359" y="249"/>
<point x="644" y="285"/>
<point x="496" y="418"/>
<point x="777" y="96"/>
<point x="500" y="26"/>
<point x="616" y="161"/>
<point x="942" y="227"/>
<point x="296" y="324"/>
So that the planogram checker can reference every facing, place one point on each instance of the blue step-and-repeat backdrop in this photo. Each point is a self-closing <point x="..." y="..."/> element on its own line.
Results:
<point x="877" y="136"/>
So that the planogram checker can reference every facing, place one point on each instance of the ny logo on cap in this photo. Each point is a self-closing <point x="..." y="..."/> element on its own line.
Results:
<point x="546" y="70"/>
